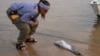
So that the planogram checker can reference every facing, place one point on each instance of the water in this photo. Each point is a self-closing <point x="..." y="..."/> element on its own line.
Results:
<point x="74" y="20"/>
<point x="70" y="19"/>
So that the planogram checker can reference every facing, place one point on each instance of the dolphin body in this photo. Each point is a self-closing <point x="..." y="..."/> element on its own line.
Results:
<point x="63" y="44"/>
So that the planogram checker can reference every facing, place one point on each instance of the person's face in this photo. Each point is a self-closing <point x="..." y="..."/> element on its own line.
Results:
<point x="43" y="12"/>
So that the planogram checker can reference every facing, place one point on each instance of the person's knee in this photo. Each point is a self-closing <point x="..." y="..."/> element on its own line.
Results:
<point x="26" y="30"/>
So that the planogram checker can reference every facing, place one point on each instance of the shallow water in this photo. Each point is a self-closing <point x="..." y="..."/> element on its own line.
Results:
<point x="68" y="19"/>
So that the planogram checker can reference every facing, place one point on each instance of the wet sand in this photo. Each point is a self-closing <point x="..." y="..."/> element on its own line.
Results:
<point x="72" y="21"/>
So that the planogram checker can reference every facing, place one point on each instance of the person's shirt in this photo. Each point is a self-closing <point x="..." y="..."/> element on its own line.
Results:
<point x="27" y="10"/>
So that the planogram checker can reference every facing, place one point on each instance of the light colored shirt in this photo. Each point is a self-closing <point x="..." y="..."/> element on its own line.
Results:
<point x="27" y="10"/>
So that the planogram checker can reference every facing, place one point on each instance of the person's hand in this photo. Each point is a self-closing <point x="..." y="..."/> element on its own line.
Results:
<point x="34" y="24"/>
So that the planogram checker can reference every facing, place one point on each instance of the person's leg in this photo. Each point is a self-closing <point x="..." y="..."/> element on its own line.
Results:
<point x="24" y="31"/>
<point x="32" y="31"/>
<point x="22" y="27"/>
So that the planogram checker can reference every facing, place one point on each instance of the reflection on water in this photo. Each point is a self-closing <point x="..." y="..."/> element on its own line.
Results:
<point x="30" y="51"/>
<point x="95" y="34"/>
<point x="94" y="47"/>
<point x="97" y="23"/>
<point x="22" y="53"/>
<point x="94" y="50"/>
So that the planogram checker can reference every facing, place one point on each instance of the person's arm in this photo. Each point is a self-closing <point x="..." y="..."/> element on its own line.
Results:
<point x="35" y="22"/>
<point x="26" y="18"/>
<point x="16" y="6"/>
